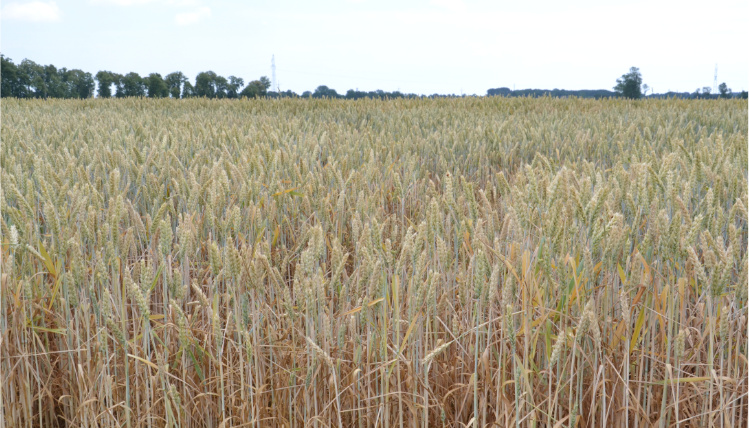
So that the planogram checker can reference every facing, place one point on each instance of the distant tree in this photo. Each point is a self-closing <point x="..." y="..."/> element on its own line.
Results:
<point x="58" y="82"/>
<point x="323" y="91"/>
<point x="352" y="94"/>
<point x="80" y="84"/>
<point x="132" y="85"/>
<point x="12" y="83"/>
<point x="630" y="84"/>
<point x="105" y="80"/>
<point x="118" y="85"/>
<point x="253" y="90"/>
<point x="205" y="84"/>
<point x="156" y="86"/>
<point x="210" y="85"/>
<point x="725" y="91"/>
<point x="288" y="94"/>
<point x="499" y="91"/>
<point x="174" y="82"/>
<point x="743" y="95"/>
<point x="221" y="85"/>
<point x="306" y="94"/>
<point x="55" y="82"/>
<point x="555" y="93"/>
<point x="702" y="93"/>
<point x="256" y="88"/>
<point x="34" y="80"/>
<point x="234" y="86"/>
<point x="265" y="82"/>
<point x="188" y="91"/>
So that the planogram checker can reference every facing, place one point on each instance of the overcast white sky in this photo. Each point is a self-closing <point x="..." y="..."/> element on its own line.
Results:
<point x="430" y="46"/>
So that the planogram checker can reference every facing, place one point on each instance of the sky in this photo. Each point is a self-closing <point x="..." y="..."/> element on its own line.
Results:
<point x="423" y="47"/>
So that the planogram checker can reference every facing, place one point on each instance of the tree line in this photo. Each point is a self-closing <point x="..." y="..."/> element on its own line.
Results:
<point x="555" y="93"/>
<point x="176" y="85"/>
<point x="31" y="80"/>
<point x="630" y="85"/>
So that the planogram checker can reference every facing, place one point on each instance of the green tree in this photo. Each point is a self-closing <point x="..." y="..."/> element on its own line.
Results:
<point x="33" y="79"/>
<point x="174" y="82"/>
<point x="79" y="84"/>
<point x="233" y="87"/>
<point x="131" y="85"/>
<point x="119" y="87"/>
<point x="725" y="91"/>
<point x="265" y="82"/>
<point x="221" y="85"/>
<point x="12" y="82"/>
<point x="323" y="91"/>
<point x="55" y="82"/>
<point x="205" y="84"/>
<point x="105" y="80"/>
<point x="630" y="84"/>
<point x="157" y="88"/>
<point x="256" y="88"/>
<point x="188" y="90"/>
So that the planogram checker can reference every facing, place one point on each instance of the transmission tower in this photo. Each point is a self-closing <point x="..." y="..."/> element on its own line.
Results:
<point x="274" y="83"/>
<point x="715" y="80"/>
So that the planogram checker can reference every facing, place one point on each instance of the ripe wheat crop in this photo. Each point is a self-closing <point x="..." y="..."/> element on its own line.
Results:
<point x="404" y="263"/>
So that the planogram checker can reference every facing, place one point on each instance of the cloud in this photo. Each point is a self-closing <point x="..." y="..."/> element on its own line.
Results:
<point x="123" y="2"/>
<point x="452" y="5"/>
<point x="35" y="11"/>
<point x="187" y="18"/>
<point x="182" y="2"/>
<point x="140" y="2"/>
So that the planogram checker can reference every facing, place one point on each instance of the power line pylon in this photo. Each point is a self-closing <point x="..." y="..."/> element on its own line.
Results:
<point x="715" y="80"/>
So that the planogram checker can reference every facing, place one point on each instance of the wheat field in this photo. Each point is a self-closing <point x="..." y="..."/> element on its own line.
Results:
<point x="405" y="263"/>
